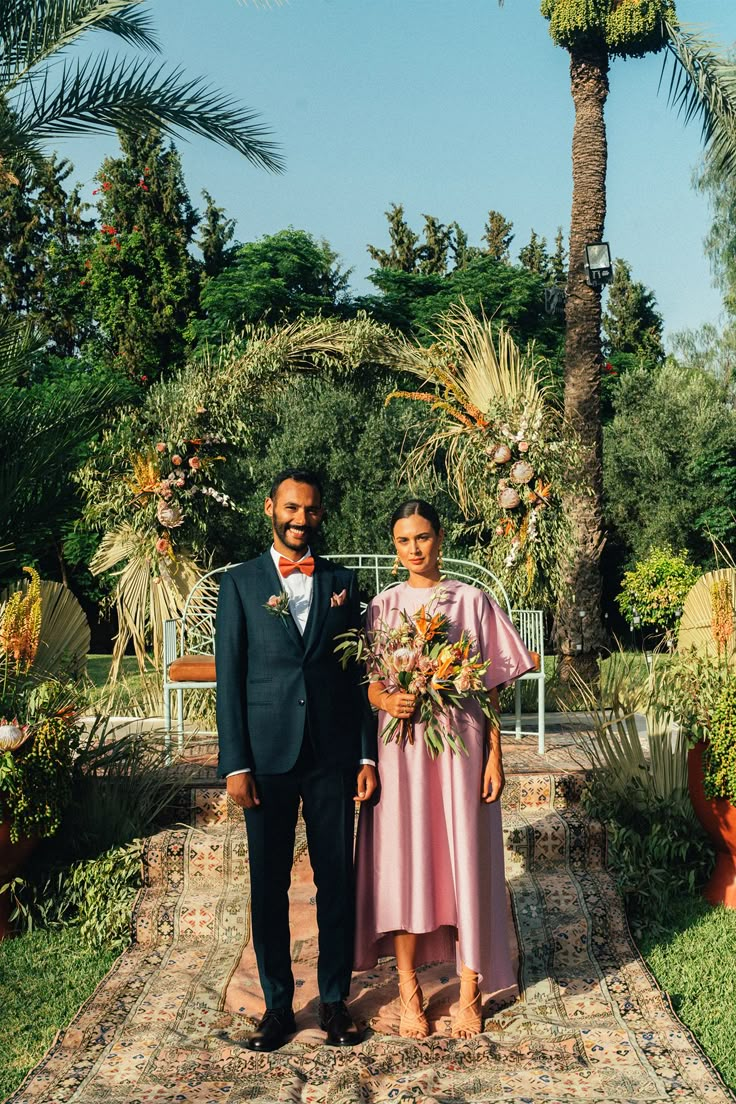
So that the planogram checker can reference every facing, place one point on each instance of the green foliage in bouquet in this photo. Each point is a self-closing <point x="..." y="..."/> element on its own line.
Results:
<point x="496" y="433"/>
<point x="656" y="588"/>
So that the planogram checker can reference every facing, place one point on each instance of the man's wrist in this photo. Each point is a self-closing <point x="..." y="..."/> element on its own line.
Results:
<point x="243" y="770"/>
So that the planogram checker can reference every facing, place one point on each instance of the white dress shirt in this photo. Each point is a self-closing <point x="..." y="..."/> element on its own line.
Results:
<point x="299" y="587"/>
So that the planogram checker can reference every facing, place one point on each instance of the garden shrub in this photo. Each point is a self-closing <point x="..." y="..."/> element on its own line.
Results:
<point x="657" y="851"/>
<point x="656" y="588"/>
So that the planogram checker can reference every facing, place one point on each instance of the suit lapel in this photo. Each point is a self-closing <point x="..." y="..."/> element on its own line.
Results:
<point x="274" y="584"/>
<point x="321" y="592"/>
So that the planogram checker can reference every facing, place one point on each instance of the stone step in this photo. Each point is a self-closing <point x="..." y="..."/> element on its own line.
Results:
<point x="207" y="803"/>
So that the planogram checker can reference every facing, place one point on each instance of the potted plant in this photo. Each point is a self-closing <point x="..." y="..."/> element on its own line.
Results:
<point x="703" y="692"/>
<point x="39" y="736"/>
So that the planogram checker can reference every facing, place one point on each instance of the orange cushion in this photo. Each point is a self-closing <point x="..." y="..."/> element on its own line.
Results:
<point x="193" y="668"/>
<point x="537" y="659"/>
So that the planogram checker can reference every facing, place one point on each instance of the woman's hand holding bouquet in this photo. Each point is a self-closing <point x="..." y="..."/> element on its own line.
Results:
<point x="422" y="672"/>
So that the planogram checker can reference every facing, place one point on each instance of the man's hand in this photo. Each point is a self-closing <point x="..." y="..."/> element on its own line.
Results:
<point x="243" y="790"/>
<point x="367" y="783"/>
<point x="493" y="778"/>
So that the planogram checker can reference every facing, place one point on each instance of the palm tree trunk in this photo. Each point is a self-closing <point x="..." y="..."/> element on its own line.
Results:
<point x="583" y="362"/>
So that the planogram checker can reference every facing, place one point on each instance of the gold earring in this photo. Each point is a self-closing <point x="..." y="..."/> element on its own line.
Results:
<point x="395" y="567"/>
<point x="439" y="559"/>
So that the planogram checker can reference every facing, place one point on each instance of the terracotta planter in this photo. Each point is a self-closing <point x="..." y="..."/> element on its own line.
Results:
<point x="718" y="817"/>
<point x="12" y="857"/>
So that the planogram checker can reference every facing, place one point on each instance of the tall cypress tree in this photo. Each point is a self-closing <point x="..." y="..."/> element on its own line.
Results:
<point x="142" y="279"/>
<point x="44" y="235"/>
<point x="498" y="236"/>
<point x="216" y="232"/>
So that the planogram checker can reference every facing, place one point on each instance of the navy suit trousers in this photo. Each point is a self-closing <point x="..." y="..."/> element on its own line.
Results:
<point x="326" y="793"/>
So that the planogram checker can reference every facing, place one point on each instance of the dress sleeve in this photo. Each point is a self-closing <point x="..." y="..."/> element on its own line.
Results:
<point x="499" y="641"/>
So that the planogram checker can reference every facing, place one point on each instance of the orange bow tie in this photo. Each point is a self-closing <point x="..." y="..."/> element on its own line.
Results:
<point x="306" y="566"/>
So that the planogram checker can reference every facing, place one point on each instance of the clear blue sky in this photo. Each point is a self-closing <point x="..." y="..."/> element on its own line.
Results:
<point x="450" y="107"/>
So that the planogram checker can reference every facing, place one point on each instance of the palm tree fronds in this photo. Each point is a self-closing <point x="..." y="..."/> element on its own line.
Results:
<point x="34" y="30"/>
<point x="143" y="600"/>
<point x="703" y="85"/>
<point x="128" y="94"/>
<point x="19" y="340"/>
<point x="480" y="364"/>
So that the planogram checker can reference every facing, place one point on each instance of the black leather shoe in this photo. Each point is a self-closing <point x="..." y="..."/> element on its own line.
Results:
<point x="335" y="1019"/>
<point x="272" y="1030"/>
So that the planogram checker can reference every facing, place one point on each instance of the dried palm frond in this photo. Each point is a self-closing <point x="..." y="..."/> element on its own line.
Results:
<point x="144" y="599"/>
<point x="484" y="396"/>
<point x="708" y="622"/>
<point x="615" y="745"/>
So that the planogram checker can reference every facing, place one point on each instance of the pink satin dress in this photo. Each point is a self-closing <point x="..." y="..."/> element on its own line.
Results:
<point x="429" y="853"/>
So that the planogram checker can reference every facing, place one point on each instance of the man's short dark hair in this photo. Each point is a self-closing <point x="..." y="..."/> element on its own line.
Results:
<point x="298" y="475"/>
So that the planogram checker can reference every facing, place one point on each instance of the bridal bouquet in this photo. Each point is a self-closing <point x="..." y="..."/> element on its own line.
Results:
<point x="417" y="657"/>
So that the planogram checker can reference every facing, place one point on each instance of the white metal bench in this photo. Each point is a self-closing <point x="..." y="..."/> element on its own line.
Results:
<point x="189" y="641"/>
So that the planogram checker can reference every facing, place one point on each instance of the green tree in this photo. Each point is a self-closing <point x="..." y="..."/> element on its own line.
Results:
<point x="498" y="236"/>
<point x="720" y="242"/>
<point x="216" y="232"/>
<point x="460" y="249"/>
<point x="43" y="235"/>
<point x="558" y="260"/>
<point x="631" y="321"/>
<point x="44" y="95"/>
<point x="278" y="277"/>
<point x="702" y="85"/>
<point x="340" y="429"/>
<point x="141" y="278"/>
<point x="44" y="430"/>
<point x="534" y="256"/>
<point x="670" y="460"/>
<point x="432" y="254"/>
<point x="403" y="251"/>
<point x="412" y="302"/>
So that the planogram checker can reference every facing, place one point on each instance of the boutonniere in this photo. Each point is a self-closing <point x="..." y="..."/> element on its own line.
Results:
<point x="278" y="604"/>
<point x="339" y="599"/>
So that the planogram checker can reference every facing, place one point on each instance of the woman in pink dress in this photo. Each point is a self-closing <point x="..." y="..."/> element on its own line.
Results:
<point x="429" y="852"/>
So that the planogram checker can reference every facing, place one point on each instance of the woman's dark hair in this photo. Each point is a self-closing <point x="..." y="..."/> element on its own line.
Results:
<point x="297" y="475"/>
<point x="418" y="506"/>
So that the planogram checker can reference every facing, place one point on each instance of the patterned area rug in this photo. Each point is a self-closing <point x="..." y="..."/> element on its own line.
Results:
<point x="588" y="1024"/>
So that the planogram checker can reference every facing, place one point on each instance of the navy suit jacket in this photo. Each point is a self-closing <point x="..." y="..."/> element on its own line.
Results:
<point x="271" y="679"/>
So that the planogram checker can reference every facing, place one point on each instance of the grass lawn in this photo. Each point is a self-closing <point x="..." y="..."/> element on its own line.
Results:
<point x="44" y="978"/>
<point x="132" y="694"/>
<point x="696" y="964"/>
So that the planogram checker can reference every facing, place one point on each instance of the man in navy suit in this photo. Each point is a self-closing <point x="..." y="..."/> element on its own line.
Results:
<point x="293" y="725"/>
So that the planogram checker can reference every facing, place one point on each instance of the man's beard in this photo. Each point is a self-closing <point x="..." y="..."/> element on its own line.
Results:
<point x="289" y="536"/>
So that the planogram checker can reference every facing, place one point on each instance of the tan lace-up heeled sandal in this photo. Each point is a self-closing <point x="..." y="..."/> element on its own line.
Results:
<point x="469" y="1019"/>
<point x="413" y="1024"/>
